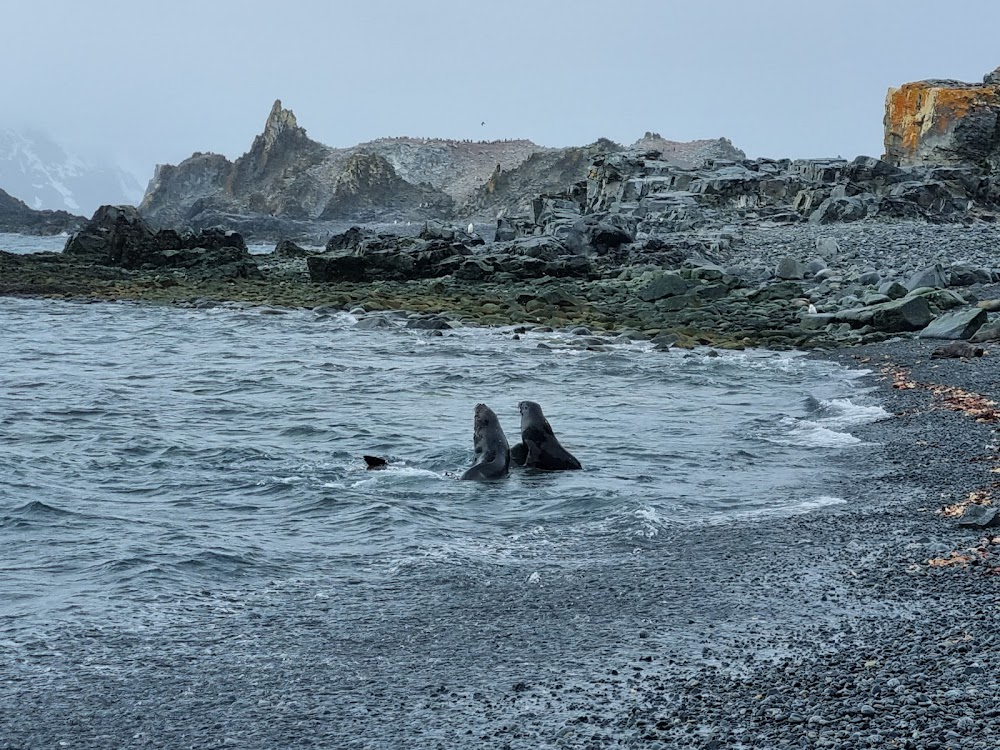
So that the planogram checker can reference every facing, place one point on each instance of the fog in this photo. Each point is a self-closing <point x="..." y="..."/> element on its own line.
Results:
<point x="781" y="78"/>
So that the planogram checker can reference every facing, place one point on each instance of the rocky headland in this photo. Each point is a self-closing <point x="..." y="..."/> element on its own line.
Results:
<point x="16" y="217"/>
<point x="682" y="244"/>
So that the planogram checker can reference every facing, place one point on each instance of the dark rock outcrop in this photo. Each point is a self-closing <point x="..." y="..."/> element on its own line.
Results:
<point x="119" y="236"/>
<point x="15" y="216"/>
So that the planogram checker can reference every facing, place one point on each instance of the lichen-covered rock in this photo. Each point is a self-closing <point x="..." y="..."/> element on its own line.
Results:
<point x="943" y="122"/>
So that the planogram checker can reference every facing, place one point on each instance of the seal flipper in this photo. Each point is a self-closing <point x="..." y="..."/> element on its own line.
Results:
<point x="519" y="454"/>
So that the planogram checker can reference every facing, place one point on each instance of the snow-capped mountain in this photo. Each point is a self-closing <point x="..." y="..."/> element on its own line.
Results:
<point x="36" y="169"/>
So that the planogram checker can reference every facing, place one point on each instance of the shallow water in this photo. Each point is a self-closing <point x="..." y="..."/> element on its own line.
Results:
<point x="149" y="452"/>
<point x="23" y="244"/>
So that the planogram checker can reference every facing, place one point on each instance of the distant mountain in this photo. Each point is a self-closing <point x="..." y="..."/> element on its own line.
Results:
<point x="37" y="170"/>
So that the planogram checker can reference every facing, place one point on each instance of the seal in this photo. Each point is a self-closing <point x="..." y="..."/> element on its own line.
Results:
<point x="539" y="448"/>
<point x="492" y="451"/>
<point x="375" y="462"/>
<point x="958" y="350"/>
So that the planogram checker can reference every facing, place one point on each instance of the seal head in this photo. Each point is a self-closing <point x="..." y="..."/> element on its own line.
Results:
<point x="492" y="451"/>
<point x="539" y="448"/>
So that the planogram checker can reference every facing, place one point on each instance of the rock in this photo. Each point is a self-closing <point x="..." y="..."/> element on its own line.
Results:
<point x="844" y="208"/>
<point x="907" y="314"/>
<point x="870" y="278"/>
<point x="892" y="289"/>
<point x="928" y="277"/>
<point x="349" y="240"/>
<point x="16" y="217"/>
<point x="790" y="269"/>
<point x="288" y="249"/>
<point x="113" y="234"/>
<point x="990" y="331"/>
<point x="980" y="517"/>
<point x="828" y="247"/>
<point x="959" y="324"/>
<point x="661" y="284"/>
<point x="943" y="122"/>
<point x="817" y="321"/>
<point x="505" y="231"/>
<point x="989" y="305"/>
<point x="962" y="274"/>
<point x="429" y="323"/>
<point x="119" y="236"/>
<point x="387" y="257"/>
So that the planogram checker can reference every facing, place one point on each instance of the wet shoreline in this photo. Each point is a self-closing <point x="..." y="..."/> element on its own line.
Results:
<point x="827" y="629"/>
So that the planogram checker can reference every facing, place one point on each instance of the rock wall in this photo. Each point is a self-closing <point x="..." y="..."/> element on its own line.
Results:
<point x="939" y="122"/>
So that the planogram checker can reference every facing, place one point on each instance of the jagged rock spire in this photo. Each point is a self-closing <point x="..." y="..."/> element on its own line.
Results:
<point x="278" y="122"/>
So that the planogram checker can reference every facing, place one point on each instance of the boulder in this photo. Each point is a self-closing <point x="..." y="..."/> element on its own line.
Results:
<point x="113" y="233"/>
<point x="963" y="274"/>
<point x="980" y="517"/>
<point x="958" y="324"/>
<point x="892" y="289"/>
<point x="907" y="314"/>
<point x="661" y="284"/>
<point x="288" y="249"/>
<point x="928" y="277"/>
<point x="989" y="332"/>
<point x="842" y="208"/>
<point x="790" y="269"/>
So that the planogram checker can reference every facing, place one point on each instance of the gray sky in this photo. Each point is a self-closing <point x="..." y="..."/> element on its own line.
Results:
<point x="153" y="82"/>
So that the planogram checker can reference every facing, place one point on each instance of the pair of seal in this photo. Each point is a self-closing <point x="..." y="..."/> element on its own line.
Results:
<point x="492" y="451"/>
<point x="539" y="448"/>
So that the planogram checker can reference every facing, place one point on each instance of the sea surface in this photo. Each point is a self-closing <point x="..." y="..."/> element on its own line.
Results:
<point x="23" y="244"/>
<point x="149" y="453"/>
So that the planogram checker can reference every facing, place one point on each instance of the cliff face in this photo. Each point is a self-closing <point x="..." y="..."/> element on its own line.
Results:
<point x="939" y="122"/>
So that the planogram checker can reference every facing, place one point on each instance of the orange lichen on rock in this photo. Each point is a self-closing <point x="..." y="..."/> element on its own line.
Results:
<point x="921" y="117"/>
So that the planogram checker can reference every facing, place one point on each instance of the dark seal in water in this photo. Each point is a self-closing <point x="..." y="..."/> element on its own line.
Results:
<point x="539" y="448"/>
<point x="492" y="452"/>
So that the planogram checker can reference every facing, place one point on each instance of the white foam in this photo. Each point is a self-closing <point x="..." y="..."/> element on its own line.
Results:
<point x="807" y="434"/>
<point x="842" y="412"/>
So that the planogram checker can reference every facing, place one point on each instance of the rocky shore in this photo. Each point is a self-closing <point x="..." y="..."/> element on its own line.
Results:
<point x="803" y="285"/>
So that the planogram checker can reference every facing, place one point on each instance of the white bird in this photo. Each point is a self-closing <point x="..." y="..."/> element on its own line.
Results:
<point x="472" y="228"/>
<point x="812" y="309"/>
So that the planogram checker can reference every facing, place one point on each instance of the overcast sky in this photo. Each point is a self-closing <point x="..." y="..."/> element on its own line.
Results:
<point x="153" y="82"/>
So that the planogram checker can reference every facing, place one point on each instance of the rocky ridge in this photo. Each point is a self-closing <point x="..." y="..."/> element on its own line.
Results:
<point x="16" y="216"/>
<point x="286" y="177"/>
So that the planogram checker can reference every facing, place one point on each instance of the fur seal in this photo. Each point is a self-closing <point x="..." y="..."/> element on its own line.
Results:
<point x="492" y="452"/>
<point x="539" y="448"/>
<point x="958" y="350"/>
<point x="375" y="462"/>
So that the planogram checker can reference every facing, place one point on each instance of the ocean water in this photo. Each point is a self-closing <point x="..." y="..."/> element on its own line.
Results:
<point x="149" y="453"/>
<point x="23" y="244"/>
